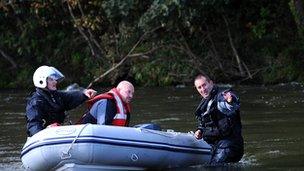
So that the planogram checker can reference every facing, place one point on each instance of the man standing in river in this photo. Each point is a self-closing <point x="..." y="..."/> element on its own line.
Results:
<point x="219" y="121"/>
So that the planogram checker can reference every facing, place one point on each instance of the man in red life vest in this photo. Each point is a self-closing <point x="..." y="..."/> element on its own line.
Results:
<point x="111" y="108"/>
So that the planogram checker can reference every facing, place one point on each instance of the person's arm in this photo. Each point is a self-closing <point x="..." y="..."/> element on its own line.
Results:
<point x="198" y="115"/>
<point x="200" y="123"/>
<point x="34" y="117"/>
<point x="98" y="111"/>
<point x="204" y="131"/>
<point x="104" y="111"/>
<point x="72" y="99"/>
<point x="228" y="103"/>
<point x="200" y="128"/>
<point x="208" y="132"/>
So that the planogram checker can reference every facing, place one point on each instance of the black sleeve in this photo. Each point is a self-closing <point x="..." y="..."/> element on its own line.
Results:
<point x="34" y="117"/>
<point x="72" y="99"/>
<point x="110" y="112"/>
<point x="200" y="123"/>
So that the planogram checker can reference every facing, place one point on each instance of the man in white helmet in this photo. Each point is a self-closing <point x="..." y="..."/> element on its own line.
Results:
<point x="47" y="105"/>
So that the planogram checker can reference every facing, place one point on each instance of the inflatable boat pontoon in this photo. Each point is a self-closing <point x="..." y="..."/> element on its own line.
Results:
<point x="111" y="147"/>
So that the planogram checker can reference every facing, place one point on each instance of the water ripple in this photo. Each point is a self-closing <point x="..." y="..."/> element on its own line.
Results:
<point x="249" y="160"/>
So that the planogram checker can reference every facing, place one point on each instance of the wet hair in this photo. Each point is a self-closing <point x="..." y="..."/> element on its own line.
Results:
<point x="202" y="75"/>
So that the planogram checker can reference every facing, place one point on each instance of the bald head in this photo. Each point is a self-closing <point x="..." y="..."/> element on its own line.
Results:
<point x="126" y="90"/>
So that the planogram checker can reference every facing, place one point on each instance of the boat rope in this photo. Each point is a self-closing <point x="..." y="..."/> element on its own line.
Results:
<point x="67" y="154"/>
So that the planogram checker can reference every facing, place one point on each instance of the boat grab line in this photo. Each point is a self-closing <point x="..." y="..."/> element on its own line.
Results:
<point x="67" y="154"/>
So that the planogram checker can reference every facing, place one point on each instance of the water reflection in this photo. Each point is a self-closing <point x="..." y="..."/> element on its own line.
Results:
<point x="272" y="123"/>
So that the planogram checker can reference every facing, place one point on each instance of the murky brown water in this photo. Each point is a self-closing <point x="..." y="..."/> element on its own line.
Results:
<point x="273" y="123"/>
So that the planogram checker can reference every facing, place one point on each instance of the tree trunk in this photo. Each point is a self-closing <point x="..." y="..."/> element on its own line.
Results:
<point x="10" y="59"/>
<point x="299" y="15"/>
<point x="235" y="52"/>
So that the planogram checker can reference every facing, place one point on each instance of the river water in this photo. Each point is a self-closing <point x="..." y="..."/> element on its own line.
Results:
<point x="272" y="117"/>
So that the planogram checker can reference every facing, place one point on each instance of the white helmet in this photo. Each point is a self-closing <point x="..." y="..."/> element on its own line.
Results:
<point x="41" y="74"/>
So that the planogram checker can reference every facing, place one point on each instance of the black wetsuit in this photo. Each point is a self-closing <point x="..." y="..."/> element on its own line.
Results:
<point x="46" y="107"/>
<point x="221" y="126"/>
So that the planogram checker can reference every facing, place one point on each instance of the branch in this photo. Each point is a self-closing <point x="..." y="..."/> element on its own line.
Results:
<point x="10" y="59"/>
<point x="126" y="56"/>
<point x="247" y="70"/>
<point x="3" y="5"/>
<point x="107" y="72"/>
<point x="185" y="47"/>
<point x="142" y="38"/>
<point x="254" y="73"/>
<point x="216" y="54"/>
<point x="144" y="54"/>
<point x="233" y="48"/>
<point x="116" y="66"/>
<point x="298" y="4"/>
<point x="197" y="64"/>
<point x="82" y="32"/>
<point x="92" y="37"/>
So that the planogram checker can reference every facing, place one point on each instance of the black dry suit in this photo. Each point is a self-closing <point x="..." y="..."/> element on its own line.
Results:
<point x="221" y="126"/>
<point x="46" y="107"/>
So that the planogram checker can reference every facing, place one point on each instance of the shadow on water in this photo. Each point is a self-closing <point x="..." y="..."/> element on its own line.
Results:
<point x="272" y="123"/>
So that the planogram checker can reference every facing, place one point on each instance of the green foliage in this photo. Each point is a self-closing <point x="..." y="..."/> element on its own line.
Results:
<point x="117" y="8"/>
<point x="193" y="36"/>
<point x="165" y="69"/>
<point x="298" y="17"/>
<point x="287" y="67"/>
<point x="259" y="29"/>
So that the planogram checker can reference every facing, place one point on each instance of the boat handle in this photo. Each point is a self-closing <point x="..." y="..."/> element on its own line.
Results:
<point x="67" y="154"/>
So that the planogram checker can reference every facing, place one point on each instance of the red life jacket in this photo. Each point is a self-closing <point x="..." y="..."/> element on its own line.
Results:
<point x="123" y="109"/>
